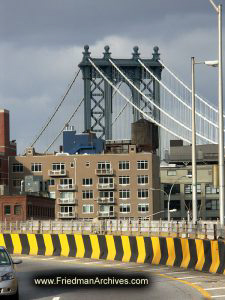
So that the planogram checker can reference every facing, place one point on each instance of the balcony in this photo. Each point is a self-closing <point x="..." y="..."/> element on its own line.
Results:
<point x="67" y="201"/>
<point x="104" y="200"/>
<point x="106" y="214"/>
<point x="66" y="187"/>
<point x="104" y="171"/>
<point x="105" y="186"/>
<point x="64" y="215"/>
<point x="56" y="173"/>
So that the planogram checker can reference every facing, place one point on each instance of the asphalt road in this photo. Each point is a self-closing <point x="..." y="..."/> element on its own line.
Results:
<point x="163" y="282"/>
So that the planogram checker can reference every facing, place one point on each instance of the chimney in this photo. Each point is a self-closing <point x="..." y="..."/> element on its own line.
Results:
<point x="4" y="129"/>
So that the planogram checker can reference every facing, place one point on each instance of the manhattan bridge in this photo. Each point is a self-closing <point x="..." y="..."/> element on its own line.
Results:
<point x="117" y="92"/>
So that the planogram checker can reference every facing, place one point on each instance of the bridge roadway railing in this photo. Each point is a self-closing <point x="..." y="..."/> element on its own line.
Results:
<point x="201" y="230"/>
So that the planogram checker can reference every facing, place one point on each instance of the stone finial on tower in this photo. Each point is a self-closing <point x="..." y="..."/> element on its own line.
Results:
<point x="86" y="53"/>
<point x="156" y="54"/>
<point x="106" y="54"/>
<point x="136" y="54"/>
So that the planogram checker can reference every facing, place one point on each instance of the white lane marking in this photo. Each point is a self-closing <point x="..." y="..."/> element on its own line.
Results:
<point x="70" y="260"/>
<point x="91" y="263"/>
<point x="218" y="296"/>
<point x="50" y="258"/>
<point x="154" y="270"/>
<point x="189" y="277"/>
<point x="56" y="298"/>
<point x="22" y="257"/>
<point x="179" y="272"/>
<point x="114" y="265"/>
<point x="157" y="269"/>
<point x="216" y="288"/>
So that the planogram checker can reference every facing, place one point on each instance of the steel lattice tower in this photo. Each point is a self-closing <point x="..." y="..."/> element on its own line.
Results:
<point x="98" y="100"/>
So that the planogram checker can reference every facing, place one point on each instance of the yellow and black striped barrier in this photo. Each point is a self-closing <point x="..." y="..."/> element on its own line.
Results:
<point x="202" y="255"/>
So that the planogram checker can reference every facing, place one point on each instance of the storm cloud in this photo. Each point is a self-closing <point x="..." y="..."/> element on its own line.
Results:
<point x="41" y="44"/>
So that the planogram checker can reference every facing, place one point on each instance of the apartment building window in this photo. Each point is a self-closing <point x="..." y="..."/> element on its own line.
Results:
<point x="209" y="189"/>
<point x="66" y="181"/>
<point x="105" y="180"/>
<point x="174" y="204"/>
<point x="7" y="209"/>
<point x="124" y="194"/>
<point x="17" y="209"/>
<point x="175" y="190"/>
<point x="66" y="195"/>
<point x="58" y="166"/>
<point x="88" y="208"/>
<point x="51" y="182"/>
<point x="87" y="181"/>
<point x="52" y="195"/>
<point x="66" y="209"/>
<point x="106" y="194"/>
<point x="17" y="168"/>
<point x="212" y="204"/>
<point x="87" y="164"/>
<point x="104" y="165"/>
<point x="124" y="180"/>
<point x="171" y="173"/>
<point x="87" y="194"/>
<point x="142" y="165"/>
<point x="16" y="183"/>
<point x="142" y="179"/>
<point x="143" y="207"/>
<point x="36" y="167"/>
<point x="188" y="189"/>
<point x="142" y="193"/>
<point x="125" y="208"/>
<point x="104" y="209"/>
<point x="188" y="204"/>
<point x="124" y="165"/>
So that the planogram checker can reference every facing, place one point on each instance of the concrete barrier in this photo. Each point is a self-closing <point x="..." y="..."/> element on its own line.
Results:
<point x="202" y="255"/>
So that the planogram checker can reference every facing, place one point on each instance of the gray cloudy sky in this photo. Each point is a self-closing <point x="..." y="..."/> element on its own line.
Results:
<point x="41" y="44"/>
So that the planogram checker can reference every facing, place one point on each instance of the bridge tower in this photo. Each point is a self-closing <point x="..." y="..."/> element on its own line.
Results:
<point x="98" y="94"/>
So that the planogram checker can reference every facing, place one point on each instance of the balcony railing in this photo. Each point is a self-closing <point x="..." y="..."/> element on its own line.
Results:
<point x="104" y="200"/>
<point x="57" y="172"/>
<point x="66" y="187"/>
<point x="106" y="214"/>
<point x="104" y="171"/>
<point x="105" y="186"/>
<point x="64" y="215"/>
<point x="67" y="201"/>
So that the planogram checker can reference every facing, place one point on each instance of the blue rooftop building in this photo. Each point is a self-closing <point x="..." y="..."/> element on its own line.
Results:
<point x="85" y="142"/>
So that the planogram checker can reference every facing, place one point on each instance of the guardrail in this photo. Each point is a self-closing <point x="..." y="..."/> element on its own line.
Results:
<point x="202" y="230"/>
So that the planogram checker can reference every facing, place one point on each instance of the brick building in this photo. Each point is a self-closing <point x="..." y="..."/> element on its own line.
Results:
<point x="26" y="207"/>
<point x="7" y="148"/>
<point x="118" y="183"/>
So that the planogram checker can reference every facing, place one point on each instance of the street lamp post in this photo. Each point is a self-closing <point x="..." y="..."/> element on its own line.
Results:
<point x="189" y="176"/>
<point x="218" y="9"/>
<point x="194" y="169"/>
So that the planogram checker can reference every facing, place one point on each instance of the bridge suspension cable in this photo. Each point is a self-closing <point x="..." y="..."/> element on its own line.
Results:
<point x="136" y="107"/>
<point x="57" y="109"/>
<point x="156" y="106"/>
<point x="120" y="113"/>
<point x="174" y="95"/>
<point x="61" y="131"/>
<point x="186" y="87"/>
